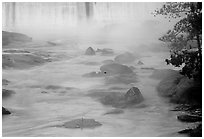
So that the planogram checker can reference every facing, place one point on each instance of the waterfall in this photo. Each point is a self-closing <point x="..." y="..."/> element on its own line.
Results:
<point x="36" y="18"/>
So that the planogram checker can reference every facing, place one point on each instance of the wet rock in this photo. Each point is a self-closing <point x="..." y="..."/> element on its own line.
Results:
<point x="7" y="93"/>
<point x="5" y="82"/>
<point x="193" y="132"/>
<point x="119" y="100"/>
<point x="82" y="123"/>
<point x="90" y="51"/>
<point x="105" y="51"/>
<point x="12" y="37"/>
<point x="189" y="118"/>
<point x="115" y="68"/>
<point x="125" y="58"/>
<point x="140" y="63"/>
<point x="5" y="111"/>
<point x="133" y="95"/>
<point x="114" y="111"/>
<point x="21" y="61"/>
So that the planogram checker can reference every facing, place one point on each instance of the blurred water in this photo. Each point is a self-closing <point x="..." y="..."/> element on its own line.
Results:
<point x="36" y="114"/>
<point x="74" y="27"/>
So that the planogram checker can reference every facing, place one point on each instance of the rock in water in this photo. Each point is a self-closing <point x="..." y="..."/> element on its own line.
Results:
<point x="140" y="63"/>
<point x="90" y="51"/>
<point x="5" y="111"/>
<point x="5" y="82"/>
<point x="114" y="111"/>
<point x="7" y="93"/>
<point x="189" y="118"/>
<point x="10" y="37"/>
<point x="133" y="95"/>
<point x="125" y="58"/>
<point x="115" y="68"/>
<point x="82" y="123"/>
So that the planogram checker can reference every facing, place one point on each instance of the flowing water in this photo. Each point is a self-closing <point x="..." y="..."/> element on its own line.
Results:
<point x="36" y="114"/>
<point x="56" y="92"/>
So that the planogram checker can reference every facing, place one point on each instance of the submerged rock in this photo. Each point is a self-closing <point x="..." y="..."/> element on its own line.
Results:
<point x="7" y="93"/>
<point x="90" y="51"/>
<point x="5" y="111"/>
<point x="119" y="100"/>
<point x="5" y="82"/>
<point x="125" y="58"/>
<point x="82" y="123"/>
<point x="133" y="95"/>
<point x="193" y="132"/>
<point x="21" y="61"/>
<point x="114" y="111"/>
<point x="140" y="63"/>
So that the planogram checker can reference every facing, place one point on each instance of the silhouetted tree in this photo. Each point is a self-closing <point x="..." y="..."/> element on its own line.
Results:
<point x="183" y="36"/>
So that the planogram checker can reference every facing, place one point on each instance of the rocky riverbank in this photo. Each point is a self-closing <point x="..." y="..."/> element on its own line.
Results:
<point x="185" y="92"/>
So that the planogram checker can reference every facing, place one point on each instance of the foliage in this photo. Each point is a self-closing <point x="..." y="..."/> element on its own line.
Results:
<point x="187" y="30"/>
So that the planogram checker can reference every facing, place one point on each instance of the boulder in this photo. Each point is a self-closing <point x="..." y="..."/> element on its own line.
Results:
<point x="193" y="132"/>
<point x="90" y="51"/>
<point x="5" y="111"/>
<point x="133" y="95"/>
<point x="125" y="58"/>
<point x="82" y="123"/>
<point x="12" y="37"/>
<point x="115" y="68"/>
<point x="132" y="98"/>
<point x="189" y="118"/>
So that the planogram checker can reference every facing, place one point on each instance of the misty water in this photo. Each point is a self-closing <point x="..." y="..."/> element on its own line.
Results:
<point x="56" y="92"/>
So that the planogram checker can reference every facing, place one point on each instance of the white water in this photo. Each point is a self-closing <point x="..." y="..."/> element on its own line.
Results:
<point x="36" y="114"/>
<point x="121" y="26"/>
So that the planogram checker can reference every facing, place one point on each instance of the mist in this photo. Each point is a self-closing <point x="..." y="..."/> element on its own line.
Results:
<point x="85" y="69"/>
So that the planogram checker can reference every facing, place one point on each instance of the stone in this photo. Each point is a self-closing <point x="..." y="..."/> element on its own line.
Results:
<point x="90" y="51"/>
<point x="115" y="68"/>
<point x="189" y="118"/>
<point x="193" y="132"/>
<point x="82" y="123"/>
<point x="5" y="111"/>
<point x="11" y="37"/>
<point x="133" y="95"/>
<point x="140" y="63"/>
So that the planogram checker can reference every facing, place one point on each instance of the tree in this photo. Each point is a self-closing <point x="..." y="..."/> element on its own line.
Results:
<point x="181" y="39"/>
